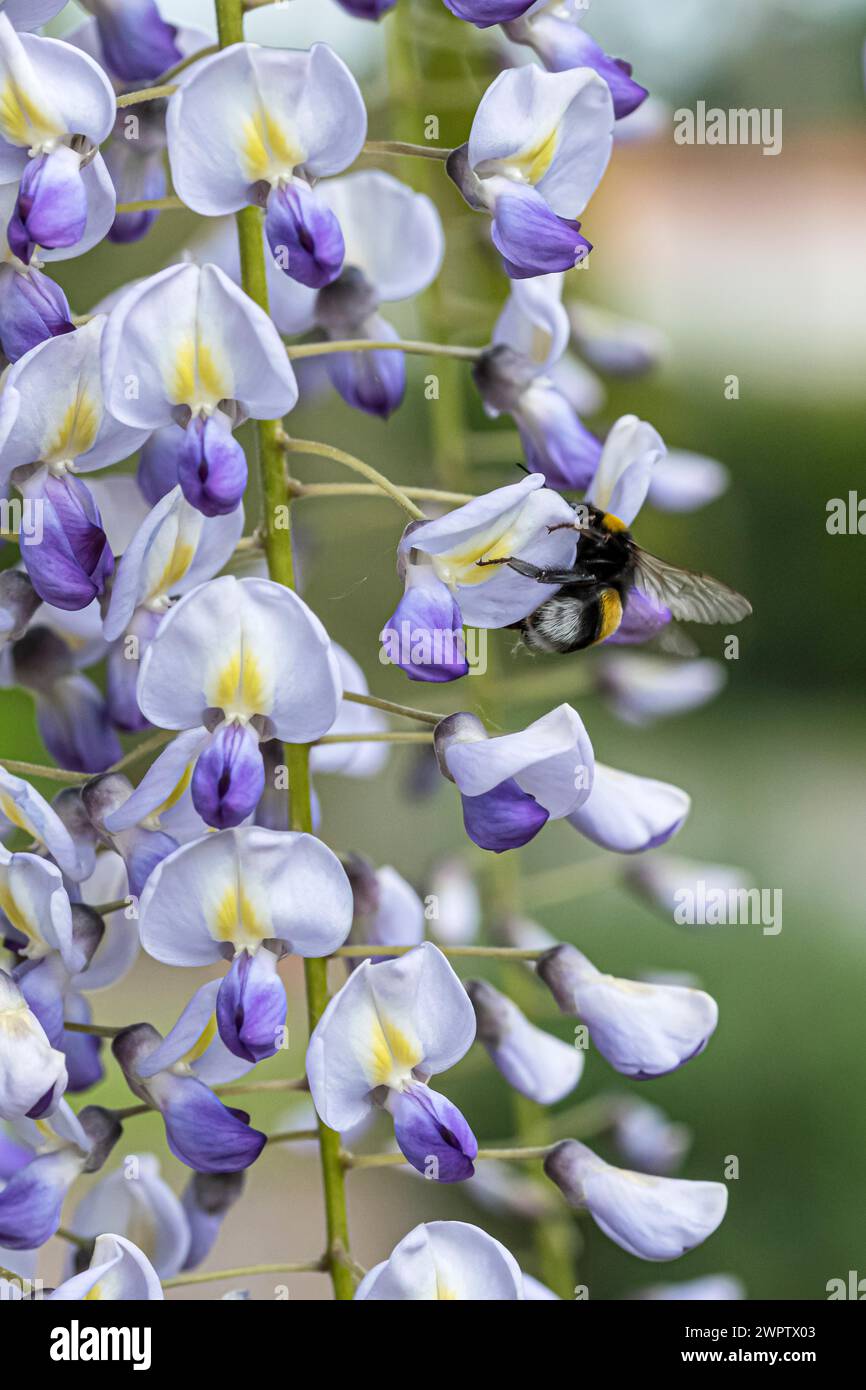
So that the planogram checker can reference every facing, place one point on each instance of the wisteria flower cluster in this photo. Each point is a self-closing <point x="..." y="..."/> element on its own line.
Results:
<point x="149" y="594"/>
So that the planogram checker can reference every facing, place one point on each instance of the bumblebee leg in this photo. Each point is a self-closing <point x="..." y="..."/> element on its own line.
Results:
<point x="542" y="576"/>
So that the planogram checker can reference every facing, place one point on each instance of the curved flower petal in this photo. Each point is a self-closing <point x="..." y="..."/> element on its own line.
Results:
<point x="118" y="1271"/>
<point x="32" y="1073"/>
<point x="25" y="808"/>
<point x="445" y="1260"/>
<point x="432" y="1134"/>
<point x="251" y="1006"/>
<point x="135" y="1200"/>
<point x="552" y="759"/>
<point x="642" y="1029"/>
<point x="424" y="636"/>
<point x="243" y="887"/>
<point x="653" y="1218"/>
<point x="541" y="1067"/>
<point x="393" y="234"/>
<point x="622" y="480"/>
<point x="641" y="689"/>
<point x="683" y="481"/>
<point x="630" y="814"/>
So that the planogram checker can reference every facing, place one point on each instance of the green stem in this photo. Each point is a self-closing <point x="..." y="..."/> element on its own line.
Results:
<point x="521" y="1152"/>
<point x="214" y="1276"/>
<point x="408" y="711"/>
<point x="413" y="347"/>
<point x="278" y="549"/>
<point x="316" y="448"/>
<point x="355" y="952"/>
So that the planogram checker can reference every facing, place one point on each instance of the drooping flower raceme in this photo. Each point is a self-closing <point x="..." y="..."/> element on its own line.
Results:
<point x="58" y="108"/>
<point x="444" y="1260"/>
<point x="539" y="146"/>
<point x="260" y="893"/>
<point x="653" y="1218"/>
<point x="258" y="126"/>
<point x="187" y="346"/>
<point x="390" y="1028"/>
<point x="235" y="663"/>
<point x="445" y="586"/>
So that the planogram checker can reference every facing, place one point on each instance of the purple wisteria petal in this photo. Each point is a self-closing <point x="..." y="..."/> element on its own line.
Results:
<point x="304" y="235"/>
<point x="531" y="239"/>
<point x="229" y="776"/>
<point x="251" y="1006"/>
<point x="73" y="721"/>
<point x="71" y="563"/>
<point x="424" y="637"/>
<point x="375" y="381"/>
<point x="432" y="1134"/>
<point x="32" y="308"/>
<point x="485" y="13"/>
<point x="137" y="43"/>
<point x="562" y="44"/>
<point x="32" y="1200"/>
<point x="367" y="9"/>
<point x="51" y="209"/>
<point x="159" y="463"/>
<point x="212" y="467"/>
<point x="555" y="442"/>
<point x="641" y="621"/>
<point x="81" y="1050"/>
<point x="206" y="1200"/>
<point x="138" y="176"/>
<point x="504" y="818"/>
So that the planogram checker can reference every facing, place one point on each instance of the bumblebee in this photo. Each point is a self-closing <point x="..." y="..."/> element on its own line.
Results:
<point x="589" y="606"/>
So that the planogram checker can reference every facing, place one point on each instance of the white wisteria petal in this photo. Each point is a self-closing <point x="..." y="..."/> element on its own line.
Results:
<point x="393" y="234"/>
<point x="189" y="338"/>
<point x="123" y="508"/>
<point x="684" y="481"/>
<point x="36" y="904"/>
<point x="642" y="1029"/>
<point x="552" y="760"/>
<point x="62" y="417"/>
<point x="653" y="1218"/>
<point x="164" y="782"/>
<point x="241" y="887"/>
<point x="671" y="882"/>
<point x="534" y="321"/>
<point x="292" y="305"/>
<point x="194" y="1042"/>
<point x="30" y="14"/>
<point x="388" y="1022"/>
<point x="536" y="1292"/>
<point x="553" y="131"/>
<point x="622" y="479"/>
<point x="25" y="808"/>
<point x="712" y="1288"/>
<point x="511" y="521"/>
<point x="32" y="1072"/>
<point x="118" y="1271"/>
<point x="453" y="892"/>
<point x="250" y="115"/>
<point x="538" y="1065"/>
<point x="352" y="759"/>
<point x="247" y="647"/>
<point x="630" y="814"/>
<point x="445" y="1260"/>
<point x="175" y="549"/>
<point x="399" y="918"/>
<point x="53" y="90"/>
<point x="118" y="950"/>
<point x="643" y="688"/>
<point x="136" y="1201"/>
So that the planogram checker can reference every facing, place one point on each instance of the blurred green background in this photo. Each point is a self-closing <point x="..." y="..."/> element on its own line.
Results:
<point x="752" y="266"/>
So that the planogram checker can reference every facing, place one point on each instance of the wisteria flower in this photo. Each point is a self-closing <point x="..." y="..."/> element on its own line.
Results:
<point x="641" y="689"/>
<point x="60" y="1147"/>
<point x="390" y="1028"/>
<point x="59" y="107"/>
<point x="539" y="145"/>
<point x="35" y="911"/>
<point x="630" y="814"/>
<point x="445" y="1260"/>
<point x="260" y="892"/>
<point x="541" y="1067"/>
<point x="32" y="1072"/>
<point x="118" y="1272"/>
<point x="648" y="1140"/>
<point x="653" y="1218"/>
<point x="643" y="1030"/>
<point x="445" y="586"/>
<point x="175" y="549"/>
<point x="32" y="308"/>
<point x="387" y="910"/>
<point x="200" y="1131"/>
<point x="552" y="28"/>
<point x="71" y="712"/>
<point x="27" y="810"/>
<point x="136" y="1200"/>
<point x="62" y="429"/>
<point x="188" y="346"/>
<point x="236" y="662"/>
<point x="260" y="125"/>
<point x="511" y="785"/>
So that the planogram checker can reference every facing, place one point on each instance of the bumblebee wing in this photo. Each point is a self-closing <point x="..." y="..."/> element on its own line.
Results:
<point x="691" y="597"/>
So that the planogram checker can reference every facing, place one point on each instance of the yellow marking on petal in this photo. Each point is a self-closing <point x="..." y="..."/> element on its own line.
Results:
<point x="77" y="431"/>
<point x="199" y="1048"/>
<point x="16" y="913"/>
<point x="236" y="920"/>
<point x="22" y="121"/>
<point x="178" y="563"/>
<point x="461" y="566"/>
<point x="392" y="1053"/>
<point x="13" y="812"/>
<point x="267" y="150"/>
<point x="444" y="1292"/>
<point x="535" y="162"/>
<point x="95" y="1294"/>
<point x="174" y="797"/>
<point x="241" y="688"/>
<point x="197" y="379"/>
